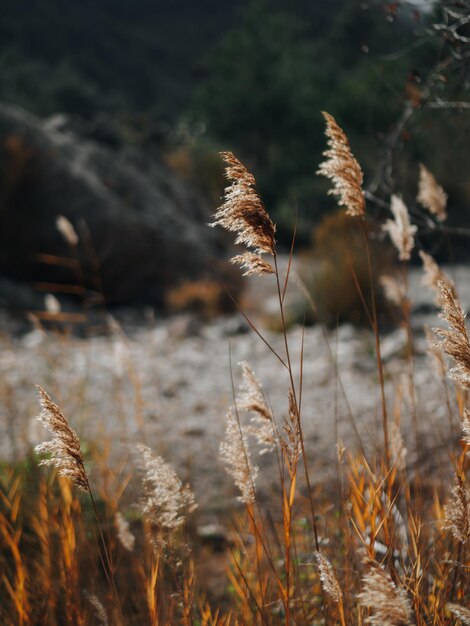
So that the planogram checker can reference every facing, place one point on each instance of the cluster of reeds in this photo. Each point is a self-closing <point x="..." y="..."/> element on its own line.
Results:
<point x="385" y="543"/>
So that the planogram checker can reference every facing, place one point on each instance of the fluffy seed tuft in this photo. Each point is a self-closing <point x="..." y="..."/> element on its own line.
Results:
<point x="235" y="455"/>
<point x="242" y="211"/>
<point x="341" y="167"/>
<point x="431" y="195"/>
<point x="64" y="447"/>
<point x="400" y="230"/>
<point x="388" y="604"/>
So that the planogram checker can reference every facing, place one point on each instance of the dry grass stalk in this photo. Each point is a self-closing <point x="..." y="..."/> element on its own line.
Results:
<point x="235" y="454"/>
<point x="460" y="612"/>
<point x="126" y="538"/>
<point x="394" y="289"/>
<point x="341" y="167"/>
<point x="433" y="275"/>
<point x="64" y="448"/>
<point x="253" y="264"/>
<point x="431" y="195"/>
<point x="400" y="229"/>
<point x="251" y="398"/>
<point x="389" y="604"/>
<point x="455" y="341"/>
<point x="457" y="512"/>
<point x="166" y="500"/>
<point x="243" y="212"/>
<point x="66" y="229"/>
<point x="328" y="578"/>
<point x="292" y="443"/>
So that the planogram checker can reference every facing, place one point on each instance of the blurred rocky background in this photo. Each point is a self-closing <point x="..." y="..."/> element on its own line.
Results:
<point x="112" y="114"/>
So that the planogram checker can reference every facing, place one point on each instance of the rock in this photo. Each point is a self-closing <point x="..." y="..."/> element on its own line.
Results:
<point x="140" y="229"/>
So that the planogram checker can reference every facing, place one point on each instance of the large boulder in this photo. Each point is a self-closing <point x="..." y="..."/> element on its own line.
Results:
<point x="141" y="230"/>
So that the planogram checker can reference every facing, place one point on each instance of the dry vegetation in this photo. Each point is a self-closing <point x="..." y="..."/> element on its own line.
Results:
<point x="386" y="544"/>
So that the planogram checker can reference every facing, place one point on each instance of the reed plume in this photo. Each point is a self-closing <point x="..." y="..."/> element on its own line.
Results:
<point x="166" y="500"/>
<point x="64" y="448"/>
<point x="457" y="512"/>
<point x="126" y="538"/>
<point x="100" y="611"/>
<point x="253" y="264"/>
<point x="431" y="195"/>
<point x="460" y="612"/>
<point x="235" y="454"/>
<point x="455" y="341"/>
<point x="466" y="427"/>
<point x="341" y="167"/>
<point x="433" y="275"/>
<point x="394" y="289"/>
<point x="251" y="399"/>
<point x="65" y="228"/>
<point x="292" y="442"/>
<point x="243" y="212"/>
<point x="400" y="229"/>
<point x="388" y="604"/>
<point x="328" y="578"/>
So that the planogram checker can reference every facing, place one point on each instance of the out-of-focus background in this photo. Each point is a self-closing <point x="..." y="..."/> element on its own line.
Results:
<point x="112" y="114"/>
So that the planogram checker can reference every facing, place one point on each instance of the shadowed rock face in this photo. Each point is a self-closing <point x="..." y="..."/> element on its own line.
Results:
<point x="141" y="230"/>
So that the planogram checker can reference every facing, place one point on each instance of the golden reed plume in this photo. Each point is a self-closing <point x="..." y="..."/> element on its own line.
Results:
<point x="243" y="212"/>
<point x="431" y="195"/>
<point x="388" y="604"/>
<point x="455" y="341"/>
<point x="64" y="448"/>
<point x="400" y="229"/>
<point x="341" y="167"/>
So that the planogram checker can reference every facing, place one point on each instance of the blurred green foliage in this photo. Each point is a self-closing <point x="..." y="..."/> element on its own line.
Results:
<point x="252" y="77"/>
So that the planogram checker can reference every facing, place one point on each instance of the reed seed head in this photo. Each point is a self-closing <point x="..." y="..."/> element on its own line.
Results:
<point x="328" y="578"/>
<point x="243" y="212"/>
<point x="457" y="512"/>
<point x="455" y="341"/>
<point x="65" y="228"/>
<point x="460" y="612"/>
<point x="388" y="604"/>
<point x="394" y="289"/>
<point x="251" y="398"/>
<point x="431" y="195"/>
<point x="400" y="229"/>
<point x="126" y="538"/>
<point x="64" y="447"/>
<point x="166" y="500"/>
<point x="433" y="275"/>
<point x="341" y="167"/>
<point x="253" y="264"/>
<point x="292" y="442"/>
<point x="235" y="455"/>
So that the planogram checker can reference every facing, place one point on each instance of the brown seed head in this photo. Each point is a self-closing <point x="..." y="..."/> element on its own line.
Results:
<point x="253" y="264"/>
<point x="341" y="167"/>
<point x="328" y="578"/>
<point x="457" y="512"/>
<point x="431" y="195"/>
<point x="166" y="500"/>
<point x="433" y="275"/>
<point x="388" y="604"/>
<point x="460" y="612"/>
<point x="455" y="341"/>
<point x="251" y="398"/>
<point x="400" y="230"/>
<point x="64" y="447"/>
<point x="242" y="211"/>
<point x="235" y="455"/>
